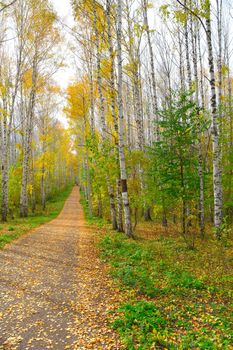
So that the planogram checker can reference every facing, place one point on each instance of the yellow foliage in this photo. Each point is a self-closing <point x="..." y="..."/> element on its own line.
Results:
<point x="2" y="90"/>
<point x="42" y="22"/>
<point x="78" y="100"/>
<point x="30" y="189"/>
<point x="54" y="89"/>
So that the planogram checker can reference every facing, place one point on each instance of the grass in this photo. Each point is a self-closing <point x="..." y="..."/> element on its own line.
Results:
<point x="91" y="220"/>
<point x="14" y="228"/>
<point x="177" y="298"/>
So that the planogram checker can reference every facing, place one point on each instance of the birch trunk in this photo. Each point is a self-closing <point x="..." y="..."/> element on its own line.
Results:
<point x="217" y="172"/>
<point x="92" y="96"/>
<point x="220" y="80"/>
<point x="152" y="66"/>
<point x="125" y="198"/>
<point x="102" y="113"/>
<point x="112" y="78"/>
<point x="99" y="78"/>
<point x="116" y="218"/>
<point x="189" y="74"/>
<point x="4" y="167"/>
<point x="27" y="142"/>
<point x="181" y="68"/>
<point x="201" y="69"/>
<point x="200" y="156"/>
<point x="43" y="195"/>
<point x="89" y="199"/>
<point x="92" y="127"/>
<point x="134" y="57"/>
<point x="119" y="206"/>
<point x="128" y="117"/>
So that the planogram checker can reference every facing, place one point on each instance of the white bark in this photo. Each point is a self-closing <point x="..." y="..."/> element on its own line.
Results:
<point x="217" y="171"/>
<point x="125" y="198"/>
<point x="27" y="141"/>
<point x="152" y="66"/>
<point x="200" y="156"/>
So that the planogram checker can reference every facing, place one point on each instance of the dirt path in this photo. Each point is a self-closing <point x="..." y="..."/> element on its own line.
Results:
<point x="54" y="291"/>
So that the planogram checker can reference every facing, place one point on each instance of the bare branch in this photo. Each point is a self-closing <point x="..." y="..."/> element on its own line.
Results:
<point x="7" y="5"/>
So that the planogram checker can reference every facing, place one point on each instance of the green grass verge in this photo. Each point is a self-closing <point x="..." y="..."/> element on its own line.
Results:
<point x="178" y="298"/>
<point x="14" y="228"/>
<point x="91" y="220"/>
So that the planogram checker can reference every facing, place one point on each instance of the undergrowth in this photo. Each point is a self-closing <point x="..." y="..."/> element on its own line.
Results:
<point x="178" y="298"/>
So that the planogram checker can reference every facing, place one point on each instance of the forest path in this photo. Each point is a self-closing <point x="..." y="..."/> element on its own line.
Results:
<point x="54" y="291"/>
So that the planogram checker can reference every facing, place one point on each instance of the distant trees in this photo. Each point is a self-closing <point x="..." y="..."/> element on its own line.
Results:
<point x="28" y="100"/>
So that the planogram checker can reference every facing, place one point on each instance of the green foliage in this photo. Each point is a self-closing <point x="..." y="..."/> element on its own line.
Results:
<point x="164" y="10"/>
<point x="174" y="159"/>
<point x="7" y="238"/>
<point x="92" y="220"/>
<point x="183" y="279"/>
<point x="146" y="320"/>
<point x="130" y="264"/>
<point x="148" y="325"/>
<point x="14" y="187"/>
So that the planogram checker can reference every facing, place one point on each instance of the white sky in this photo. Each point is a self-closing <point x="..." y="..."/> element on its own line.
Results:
<point x="63" y="8"/>
<point x="64" y="11"/>
<point x="65" y="75"/>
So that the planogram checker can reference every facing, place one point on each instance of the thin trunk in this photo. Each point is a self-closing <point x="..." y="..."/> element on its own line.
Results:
<point x="112" y="207"/>
<point x="119" y="206"/>
<point x="27" y="142"/>
<point x="89" y="199"/>
<point x="113" y="109"/>
<point x="152" y="67"/>
<point x="186" y="36"/>
<point x="201" y="69"/>
<point x="128" y="120"/>
<point x="181" y="68"/>
<point x="112" y="78"/>
<point x="92" y="96"/>
<point x="100" y="206"/>
<point x="200" y="156"/>
<point x="4" y="169"/>
<point x="43" y="196"/>
<point x="220" y="48"/>
<point x="99" y="78"/>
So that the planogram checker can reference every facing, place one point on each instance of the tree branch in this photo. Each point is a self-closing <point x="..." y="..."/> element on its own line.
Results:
<point x="192" y="13"/>
<point x="7" y="5"/>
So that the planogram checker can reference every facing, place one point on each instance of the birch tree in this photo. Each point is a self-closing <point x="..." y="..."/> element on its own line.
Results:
<point x="125" y="197"/>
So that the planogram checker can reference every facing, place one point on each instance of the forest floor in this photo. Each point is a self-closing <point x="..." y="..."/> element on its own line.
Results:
<point x="178" y="298"/>
<point x="55" y="292"/>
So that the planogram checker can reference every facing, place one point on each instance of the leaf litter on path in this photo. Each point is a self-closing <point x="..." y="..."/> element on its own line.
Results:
<point x="55" y="293"/>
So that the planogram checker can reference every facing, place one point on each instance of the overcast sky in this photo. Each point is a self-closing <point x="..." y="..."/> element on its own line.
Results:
<point x="65" y="75"/>
<point x="63" y="7"/>
<point x="64" y="11"/>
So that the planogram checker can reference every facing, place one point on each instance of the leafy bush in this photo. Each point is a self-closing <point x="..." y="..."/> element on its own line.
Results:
<point x="183" y="279"/>
<point x="142" y="322"/>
